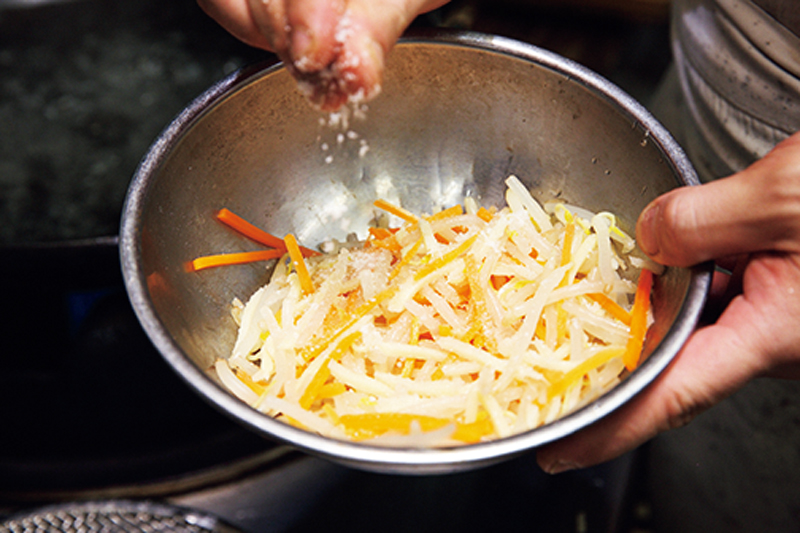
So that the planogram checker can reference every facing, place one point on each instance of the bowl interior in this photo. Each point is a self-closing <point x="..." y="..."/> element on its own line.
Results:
<point x="456" y="116"/>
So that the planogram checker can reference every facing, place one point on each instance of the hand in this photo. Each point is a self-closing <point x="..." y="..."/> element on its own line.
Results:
<point x="335" y="48"/>
<point x="750" y="223"/>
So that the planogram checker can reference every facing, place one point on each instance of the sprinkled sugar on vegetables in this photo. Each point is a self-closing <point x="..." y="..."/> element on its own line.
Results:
<point x="468" y="325"/>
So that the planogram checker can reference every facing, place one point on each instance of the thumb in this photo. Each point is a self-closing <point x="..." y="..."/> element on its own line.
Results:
<point x="757" y="209"/>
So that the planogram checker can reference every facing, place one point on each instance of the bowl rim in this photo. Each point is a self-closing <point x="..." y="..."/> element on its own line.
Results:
<point x="389" y="459"/>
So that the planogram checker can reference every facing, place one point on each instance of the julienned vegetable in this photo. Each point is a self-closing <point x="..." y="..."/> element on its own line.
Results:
<point x="464" y="326"/>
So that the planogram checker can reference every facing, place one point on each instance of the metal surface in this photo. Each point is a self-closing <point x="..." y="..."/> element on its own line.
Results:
<point x="114" y="516"/>
<point x="458" y="113"/>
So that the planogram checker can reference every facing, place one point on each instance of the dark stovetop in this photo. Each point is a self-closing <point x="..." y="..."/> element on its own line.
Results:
<point x="85" y="87"/>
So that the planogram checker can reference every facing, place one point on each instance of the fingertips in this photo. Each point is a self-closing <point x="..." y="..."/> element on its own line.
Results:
<point x="315" y="39"/>
<point x="271" y="20"/>
<point x="755" y="210"/>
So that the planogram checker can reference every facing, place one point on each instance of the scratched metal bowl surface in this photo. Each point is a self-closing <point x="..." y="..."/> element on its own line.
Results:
<point x="458" y="113"/>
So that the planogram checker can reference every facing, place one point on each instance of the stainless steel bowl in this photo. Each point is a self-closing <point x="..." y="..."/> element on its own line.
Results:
<point x="459" y="112"/>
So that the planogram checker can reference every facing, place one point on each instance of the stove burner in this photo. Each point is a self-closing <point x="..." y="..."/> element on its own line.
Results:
<point x="114" y="516"/>
<point x="90" y="406"/>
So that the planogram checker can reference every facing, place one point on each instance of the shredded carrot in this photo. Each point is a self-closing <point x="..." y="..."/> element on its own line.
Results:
<point x="312" y="391"/>
<point x="415" y="328"/>
<point x="569" y="235"/>
<point x="210" y="261"/>
<point x="473" y="431"/>
<point x="244" y="227"/>
<point x="446" y="213"/>
<point x="380" y="233"/>
<point x="448" y="257"/>
<point x="368" y="425"/>
<point x="641" y="305"/>
<point x="383" y="238"/>
<point x="613" y="308"/>
<point x="235" y="222"/>
<point x="485" y="215"/>
<point x="245" y="378"/>
<point x="397" y="211"/>
<point x="561" y="322"/>
<point x="572" y="377"/>
<point x="329" y="390"/>
<point x="406" y="258"/>
<point x="355" y="316"/>
<point x="408" y="367"/>
<point x="299" y="264"/>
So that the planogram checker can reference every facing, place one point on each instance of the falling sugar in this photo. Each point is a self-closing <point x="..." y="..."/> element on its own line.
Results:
<point x="336" y="135"/>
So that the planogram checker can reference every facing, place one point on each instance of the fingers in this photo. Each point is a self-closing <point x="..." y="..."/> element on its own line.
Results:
<point x="271" y="19"/>
<point x="366" y="33"/>
<point x="753" y="210"/>
<point x="314" y="43"/>
<point x="235" y="17"/>
<point x="335" y="48"/>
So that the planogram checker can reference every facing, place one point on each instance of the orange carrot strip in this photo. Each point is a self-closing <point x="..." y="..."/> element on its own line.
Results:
<point x="408" y="367"/>
<point x="397" y="211"/>
<point x="472" y="432"/>
<point x="238" y="258"/>
<point x="368" y="425"/>
<point x="258" y="388"/>
<point x="446" y="213"/>
<point x="612" y="307"/>
<point x="299" y="264"/>
<point x="311" y="392"/>
<point x="383" y="238"/>
<point x="355" y="316"/>
<point x="371" y="424"/>
<point x="237" y="223"/>
<point x="576" y="374"/>
<point x="641" y="304"/>
<point x="380" y="233"/>
<point x="345" y="345"/>
<point x="314" y="388"/>
<point x="406" y="258"/>
<point x="569" y="235"/>
<point x="484" y="214"/>
<point x="234" y="221"/>
<point x="441" y="261"/>
<point x="329" y="390"/>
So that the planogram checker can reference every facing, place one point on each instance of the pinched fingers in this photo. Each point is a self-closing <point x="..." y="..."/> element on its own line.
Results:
<point x="335" y="48"/>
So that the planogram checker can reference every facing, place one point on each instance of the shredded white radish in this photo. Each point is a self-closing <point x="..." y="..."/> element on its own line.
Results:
<point x="463" y="326"/>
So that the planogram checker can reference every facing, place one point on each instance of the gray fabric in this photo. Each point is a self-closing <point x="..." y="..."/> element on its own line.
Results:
<point x="731" y="94"/>
<point x="785" y="12"/>
<point x="739" y="73"/>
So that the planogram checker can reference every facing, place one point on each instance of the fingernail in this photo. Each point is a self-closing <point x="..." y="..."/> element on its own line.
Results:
<point x="559" y="466"/>
<point x="646" y="229"/>
<point x="303" y="49"/>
